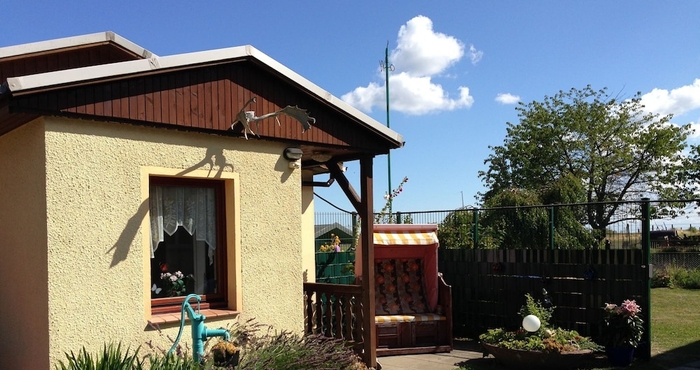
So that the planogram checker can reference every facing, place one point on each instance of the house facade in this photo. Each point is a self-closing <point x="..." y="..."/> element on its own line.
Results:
<point x="122" y="168"/>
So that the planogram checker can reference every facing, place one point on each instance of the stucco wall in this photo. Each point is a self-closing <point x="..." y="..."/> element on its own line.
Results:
<point x="24" y="319"/>
<point x="95" y="239"/>
<point x="308" y="231"/>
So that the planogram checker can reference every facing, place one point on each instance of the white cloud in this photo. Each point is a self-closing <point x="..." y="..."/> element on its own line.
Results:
<point x="423" y="52"/>
<point x="410" y="95"/>
<point x="475" y="55"/>
<point x="364" y="98"/>
<point x="507" y="98"/>
<point x="677" y="101"/>
<point x="420" y="55"/>
<point x="420" y="96"/>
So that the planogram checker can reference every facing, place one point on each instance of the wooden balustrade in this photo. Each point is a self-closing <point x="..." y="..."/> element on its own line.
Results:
<point x="334" y="310"/>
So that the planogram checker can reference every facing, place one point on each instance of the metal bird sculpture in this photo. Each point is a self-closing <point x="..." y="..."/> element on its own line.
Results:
<point x="246" y="117"/>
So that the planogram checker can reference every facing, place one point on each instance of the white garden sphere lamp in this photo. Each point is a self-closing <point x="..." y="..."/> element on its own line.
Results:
<point x="531" y="323"/>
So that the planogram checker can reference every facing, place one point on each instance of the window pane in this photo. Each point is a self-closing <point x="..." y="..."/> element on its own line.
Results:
<point x="184" y="262"/>
<point x="182" y="266"/>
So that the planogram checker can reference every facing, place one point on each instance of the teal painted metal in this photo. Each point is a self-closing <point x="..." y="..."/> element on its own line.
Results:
<point x="200" y="333"/>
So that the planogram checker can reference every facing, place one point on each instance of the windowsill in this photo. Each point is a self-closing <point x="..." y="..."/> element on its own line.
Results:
<point x="174" y="317"/>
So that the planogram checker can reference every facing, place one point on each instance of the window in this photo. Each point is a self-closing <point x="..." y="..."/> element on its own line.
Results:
<point x="188" y="249"/>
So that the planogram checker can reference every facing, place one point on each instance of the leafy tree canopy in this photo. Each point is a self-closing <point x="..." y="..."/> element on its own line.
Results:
<point x="614" y="149"/>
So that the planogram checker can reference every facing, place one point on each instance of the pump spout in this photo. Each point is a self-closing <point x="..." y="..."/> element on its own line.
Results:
<point x="208" y="333"/>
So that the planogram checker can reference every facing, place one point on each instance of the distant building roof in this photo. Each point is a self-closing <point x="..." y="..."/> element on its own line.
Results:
<point x="325" y="228"/>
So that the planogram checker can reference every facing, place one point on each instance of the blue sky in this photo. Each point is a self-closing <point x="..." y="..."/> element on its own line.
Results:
<point x="460" y="66"/>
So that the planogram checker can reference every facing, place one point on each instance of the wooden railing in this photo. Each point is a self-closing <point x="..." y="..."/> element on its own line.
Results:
<point x="334" y="310"/>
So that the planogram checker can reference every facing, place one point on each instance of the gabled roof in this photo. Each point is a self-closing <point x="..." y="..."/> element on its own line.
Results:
<point x="21" y="84"/>
<point x="231" y="76"/>
<point x="325" y="228"/>
<point x="93" y="39"/>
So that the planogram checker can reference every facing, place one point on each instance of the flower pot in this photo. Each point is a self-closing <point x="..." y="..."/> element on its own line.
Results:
<point x="521" y="359"/>
<point x="228" y="359"/>
<point x="620" y="356"/>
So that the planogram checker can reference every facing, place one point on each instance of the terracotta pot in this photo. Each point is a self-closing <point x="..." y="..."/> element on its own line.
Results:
<point x="520" y="359"/>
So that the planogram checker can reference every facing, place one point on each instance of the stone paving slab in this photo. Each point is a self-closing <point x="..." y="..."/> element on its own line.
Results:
<point x="467" y="353"/>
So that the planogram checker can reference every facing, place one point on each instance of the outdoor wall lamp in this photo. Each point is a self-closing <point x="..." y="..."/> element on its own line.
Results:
<point x="293" y="155"/>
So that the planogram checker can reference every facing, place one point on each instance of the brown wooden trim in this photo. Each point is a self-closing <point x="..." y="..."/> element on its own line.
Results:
<point x="345" y="185"/>
<point x="366" y="212"/>
<point x="218" y="300"/>
<point x="205" y="98"/>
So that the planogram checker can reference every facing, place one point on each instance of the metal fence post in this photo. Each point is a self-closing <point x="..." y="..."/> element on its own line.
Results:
<point x="355" y="231"/>
<point x="551" y="227"/>
<point x="476" y="228"/>
<point x="645" y="346"/>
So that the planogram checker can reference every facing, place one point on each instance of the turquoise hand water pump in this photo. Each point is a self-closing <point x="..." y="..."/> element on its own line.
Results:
<point x="200" y="333"/>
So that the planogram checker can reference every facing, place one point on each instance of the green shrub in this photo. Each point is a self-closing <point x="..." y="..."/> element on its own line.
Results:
<point x="111" y="358"/>
<point x="556" y="340"/>
<point x="533" y="307"/>
<point x="260" y="348"/>
<point x="545" y="339"/>
<point x="264" y="348"/>
<point x="660" y="279"/>
<point x="172" y="362"/>
<point x="684" y="278"/>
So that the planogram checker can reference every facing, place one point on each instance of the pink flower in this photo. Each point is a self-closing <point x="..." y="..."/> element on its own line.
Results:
<point x="631" y="307"/>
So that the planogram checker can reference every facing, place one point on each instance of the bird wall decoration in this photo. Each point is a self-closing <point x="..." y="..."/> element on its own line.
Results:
<point x="248" y="117"/>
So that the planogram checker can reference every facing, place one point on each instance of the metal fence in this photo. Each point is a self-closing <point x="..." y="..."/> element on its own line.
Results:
<point x="608" y="225"/>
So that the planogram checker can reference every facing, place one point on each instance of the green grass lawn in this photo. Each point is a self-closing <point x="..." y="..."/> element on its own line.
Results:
<point x="675" y="327"/>
<point x="675" y="333"/>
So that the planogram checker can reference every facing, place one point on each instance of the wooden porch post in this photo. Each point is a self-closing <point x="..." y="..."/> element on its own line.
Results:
<point x="364" y="206"/>
<point x="367" y="243"/>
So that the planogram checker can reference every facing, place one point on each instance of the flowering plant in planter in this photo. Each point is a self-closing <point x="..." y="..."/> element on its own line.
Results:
<point x="623" y="325"/>
<point x="175" y="284"/>
<point x="333" y="246"/>
<point x="544" y="346"/>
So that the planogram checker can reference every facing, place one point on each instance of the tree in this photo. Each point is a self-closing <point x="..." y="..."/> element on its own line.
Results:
<point x="516" y="219"/>
<point x="612" y="146"/>
<point x="456" y="229"/>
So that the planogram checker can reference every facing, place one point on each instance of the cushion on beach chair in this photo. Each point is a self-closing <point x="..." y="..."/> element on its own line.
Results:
<point x="399" y="287"/>
<point x="426" y="317"/>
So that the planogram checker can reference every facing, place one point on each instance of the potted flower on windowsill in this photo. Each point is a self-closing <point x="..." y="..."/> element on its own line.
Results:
<point x="623" y="331"/>
<point x="174" y="284"/>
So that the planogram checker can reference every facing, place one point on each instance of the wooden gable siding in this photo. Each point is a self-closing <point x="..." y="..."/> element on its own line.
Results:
<point x="205" y="98"/>
<point x="57" y="60"/>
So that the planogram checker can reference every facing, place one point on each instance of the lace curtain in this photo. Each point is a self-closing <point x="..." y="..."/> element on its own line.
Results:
<point x="190" y="207"/>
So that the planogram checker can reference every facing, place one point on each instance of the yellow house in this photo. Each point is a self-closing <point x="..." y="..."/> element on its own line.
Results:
<point x="122" y="170"/>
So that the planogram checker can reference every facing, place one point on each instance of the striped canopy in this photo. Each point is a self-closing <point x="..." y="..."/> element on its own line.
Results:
<point x="405" y="238"/>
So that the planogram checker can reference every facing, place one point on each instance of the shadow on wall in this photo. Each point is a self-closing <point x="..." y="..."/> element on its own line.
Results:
<point x="123" y="245"/>
<point x="214" y="158"/>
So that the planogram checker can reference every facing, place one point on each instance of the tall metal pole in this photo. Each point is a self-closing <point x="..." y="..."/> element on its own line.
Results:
<point x="386" y="66"/>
